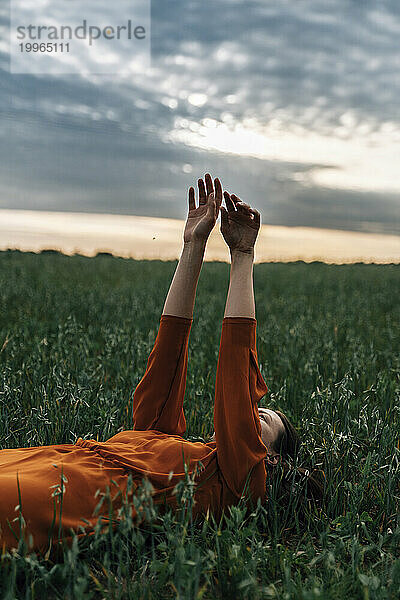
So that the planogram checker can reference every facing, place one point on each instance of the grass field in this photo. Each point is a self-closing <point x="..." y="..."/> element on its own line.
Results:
<point x="75" y="334"/>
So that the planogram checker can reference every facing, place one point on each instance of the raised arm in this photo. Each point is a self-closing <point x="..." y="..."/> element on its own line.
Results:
<point x="239" y="383"/>
<point x="158" y="398"/>
<point x="200" y="222"/>
<point x="239" y="226"/>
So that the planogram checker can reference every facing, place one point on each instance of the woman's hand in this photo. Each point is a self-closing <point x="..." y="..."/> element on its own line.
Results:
<point x="240" y="224"/>
<point x="201" y="220"/>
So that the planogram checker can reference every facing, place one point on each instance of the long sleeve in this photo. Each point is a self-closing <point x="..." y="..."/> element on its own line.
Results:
<point x="158" y="398"/>
<point x="239" y="387"/>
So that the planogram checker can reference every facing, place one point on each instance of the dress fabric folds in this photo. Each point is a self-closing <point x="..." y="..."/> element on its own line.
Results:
<point x="57" y="488"/>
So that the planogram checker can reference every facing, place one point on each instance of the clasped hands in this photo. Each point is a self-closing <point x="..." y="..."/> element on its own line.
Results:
<point x="240" y="223"/>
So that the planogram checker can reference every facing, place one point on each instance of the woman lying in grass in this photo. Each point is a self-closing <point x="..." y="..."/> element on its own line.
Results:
<point x="56" y="488"/>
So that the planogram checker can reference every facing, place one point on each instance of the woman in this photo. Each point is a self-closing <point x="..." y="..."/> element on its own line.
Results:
<point x="48" y="492"/>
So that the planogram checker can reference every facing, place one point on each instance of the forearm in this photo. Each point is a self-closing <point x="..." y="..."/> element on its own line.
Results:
<point x="240" y="299"/>
<point x="182" y="292"/>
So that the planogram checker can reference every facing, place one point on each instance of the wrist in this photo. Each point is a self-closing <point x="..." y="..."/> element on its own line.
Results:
<point x="194" y="250"/>
<point x="242" y="255"/>
<point x="195" y="244"/>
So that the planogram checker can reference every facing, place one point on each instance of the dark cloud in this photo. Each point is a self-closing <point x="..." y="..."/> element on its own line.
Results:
<point x="98" y="144"/>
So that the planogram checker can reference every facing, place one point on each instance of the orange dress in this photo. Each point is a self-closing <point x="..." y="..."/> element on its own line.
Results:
<point x="55" y="486"/>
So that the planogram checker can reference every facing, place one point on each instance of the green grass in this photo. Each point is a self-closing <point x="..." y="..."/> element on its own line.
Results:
<point x="75" y="334"/>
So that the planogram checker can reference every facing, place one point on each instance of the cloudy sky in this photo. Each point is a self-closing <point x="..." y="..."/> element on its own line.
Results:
<point x="294" y="104"/>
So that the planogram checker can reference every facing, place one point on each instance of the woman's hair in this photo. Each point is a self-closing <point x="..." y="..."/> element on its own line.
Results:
<point x="288" y="441"/>
<point x="287" y="444"/>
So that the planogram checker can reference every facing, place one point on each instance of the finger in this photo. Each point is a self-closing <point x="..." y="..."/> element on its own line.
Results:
<point x="217" y="208"/>
<point x="211" y="204"/>
<point x="243" y="209"/>
<point x="209" y="184"/>
<point x="218" y="191"/>
<point x="240" y="205"/>
<point x="229" y="204"/>
<point x="257" y="216"/>
<point x="202" y="192"/>
<point x="235" y="198"/>
<point x="218" y="196"/>
<point x="192" y="202"/>
<point x="224" y="218"/>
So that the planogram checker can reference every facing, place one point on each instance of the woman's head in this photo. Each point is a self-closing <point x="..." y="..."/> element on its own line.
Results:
<point x="279" y="435"/>
<point x="283" y="444"/>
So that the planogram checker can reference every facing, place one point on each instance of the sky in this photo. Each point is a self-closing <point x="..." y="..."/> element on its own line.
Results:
<point x="293" y="104"/>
